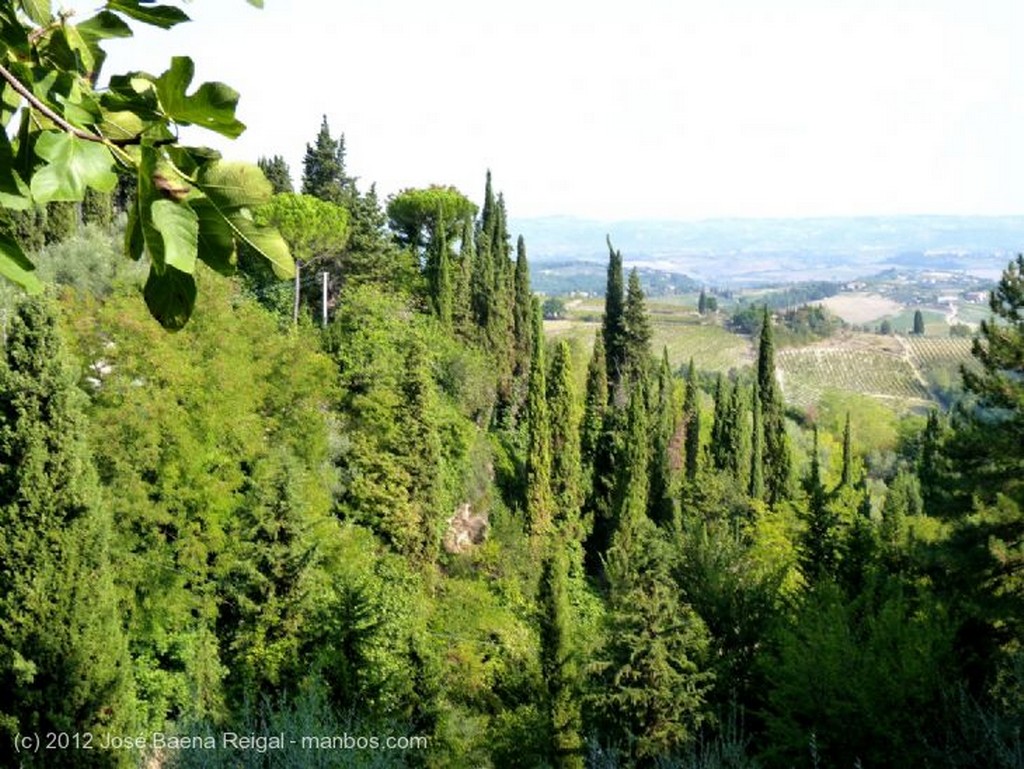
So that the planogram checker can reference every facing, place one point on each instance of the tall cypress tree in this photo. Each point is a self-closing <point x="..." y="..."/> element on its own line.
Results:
<point x="439" y="273"/>
<point x="323" y="169"/>
<point x="462" y="307"/>
<point x="820" y="548"/>
<point x="419" y="450"/>
<point x="482" y="277"/>
<point x="63" y="657"/>
<point x="756" y="485"/>
<point x="596" y="402"/>
<point x="637" y="329"/>
<point x="691" y="418"/>
<point x="777" y="461"/>
<point x="566" y="463"/>
<point x="733" y="433"/>
<point x="558" y="662"/>
<point x="539" y="502"/>
<point x="846" y="477"/>
<point x="522" y="316"/>
<point x="633" y="484"/>
<point x="661" y="507"/>
<point x="613" y="325"/>
<point x="722" y="397"/>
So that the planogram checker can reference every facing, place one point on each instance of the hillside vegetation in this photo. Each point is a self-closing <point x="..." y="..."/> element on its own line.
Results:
<point x="306" y="482"/>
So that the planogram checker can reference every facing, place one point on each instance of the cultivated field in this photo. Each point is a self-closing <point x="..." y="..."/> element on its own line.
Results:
<point x="682" y="331"/>
<point x="858" y="308"/>
<point x="902" y="371"/>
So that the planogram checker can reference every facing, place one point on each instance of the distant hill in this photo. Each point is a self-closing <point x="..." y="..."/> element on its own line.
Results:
<point x="591" y="278"/>
<point x="760" y="251"/>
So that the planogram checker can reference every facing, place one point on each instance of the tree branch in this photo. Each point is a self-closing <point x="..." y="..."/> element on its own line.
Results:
<point x="17" y="85"/>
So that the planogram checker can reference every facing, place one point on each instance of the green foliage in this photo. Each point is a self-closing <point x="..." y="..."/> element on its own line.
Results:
<point x="661" y="506"/>
<point x="648" y="684"/>
<point x="89" y="262"/>
<point x="61" y="222"/>
<point x="334" y="741"/>
<point x="596" y="402"/>
<point x="918" y="322"/>
<point x="842" y="664"/>
<point x="98" y="208"/>
<point x="313" y="228"/>
<point x="566" y="462"/>
<point x="632" y="482"/>
<point x="63" y="657"/>
<point x="559" y="663"/>
<point x="731" y="572"/>
<point x="691" y="422"/>
<point x="323" y="169"/>
<point x="613" y="324"/>
<point x="821" y="545"/>
<point x="538" y="500"/>
<point x="776" y="458"/>
<point x="414" y="214"/>
<point x="213" y="454"/>
<point x="188" y="206"/>
<point x="277" y="172"/>
<point x="637" y="352"/>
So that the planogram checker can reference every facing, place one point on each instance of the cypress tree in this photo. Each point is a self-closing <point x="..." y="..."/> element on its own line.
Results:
<point x="605" y="475"/>
<point x="918" y="323"/>
<point x="522" y="316"/>
<point x="613" y="325"/>
<point x="661" y="505"/>
<point x="929" y="468"/>
<point x="691" y="418"/>
<point x="277" y="172"/>
<point x="97" y="208"/>
<point x="462" y="306"/>
<point x="776" y="459"/>
<point x="539" y="502"/>
<point x="419" y="451"/>
<point x="846" y="477"/>
<point x="323" y="169"/>
<point x="63" y="657"/>
<point x="558" y="663"/>
<point x="439" y="273"/>
<point x="733" y="433"/>
<point x="60" y="222"/>
<point x="633" y="483"/>
<point x="596" y="402"/>
<point x="702" y="303"/>
<point x="822" y="539"/>
<point x="566" y="463"/>
<point x="638" y="331"/>
<point x="756" y="486"/>
<point x="500" y="329"/>
<point x="719" y="459"/>
<point x="482" y="274"/>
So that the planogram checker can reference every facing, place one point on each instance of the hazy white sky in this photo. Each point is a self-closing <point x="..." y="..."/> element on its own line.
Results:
<point x="639" y="109"/>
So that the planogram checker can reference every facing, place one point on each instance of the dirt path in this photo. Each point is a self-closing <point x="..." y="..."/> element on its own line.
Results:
<point x="909" y="360"/>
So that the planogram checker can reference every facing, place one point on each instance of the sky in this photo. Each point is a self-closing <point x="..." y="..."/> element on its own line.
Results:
<point x="647" y="109"/>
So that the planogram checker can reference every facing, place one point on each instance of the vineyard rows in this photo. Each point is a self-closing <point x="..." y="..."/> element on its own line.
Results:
<point x="807" y="372"/>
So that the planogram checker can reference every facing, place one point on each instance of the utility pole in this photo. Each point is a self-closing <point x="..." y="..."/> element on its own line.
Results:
<point x="324" y="323"/>
<point x="295" y="307"/>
